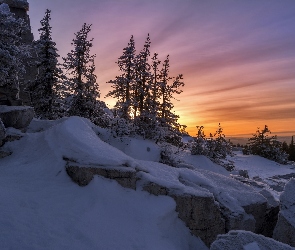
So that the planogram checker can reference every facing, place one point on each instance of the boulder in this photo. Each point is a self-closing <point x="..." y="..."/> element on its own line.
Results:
<point x="2" y="133"/>
<point x="285" y="227"/>
<point x="83" y="174"/>
<point x="247" y="240"/>
<point x="18" y="117"/>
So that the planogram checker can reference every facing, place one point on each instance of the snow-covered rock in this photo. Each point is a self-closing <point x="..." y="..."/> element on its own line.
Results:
<point x="285" y="228"/>
<point x="83" y="174"/>
<point x="239" y="240"/>
<point x="16" y="116"/>
<point x="240" y="205"/>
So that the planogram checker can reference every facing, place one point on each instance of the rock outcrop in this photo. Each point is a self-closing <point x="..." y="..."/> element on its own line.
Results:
<point x="18" y="117"/>
<point x="285" y="228"/>
<point x="83" y="174"/>
<point x="210" y="204"/>
<point x="199" y="211"/>
<point x="235" y="240"/>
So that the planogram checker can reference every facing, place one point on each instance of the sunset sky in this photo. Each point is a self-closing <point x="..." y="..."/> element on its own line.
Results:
<point x="237" y="56"/>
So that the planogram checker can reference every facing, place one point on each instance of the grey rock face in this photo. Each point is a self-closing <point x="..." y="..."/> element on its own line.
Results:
<point x="2" y="133"/>
<point x="82" y="175"/>
<point x="246" y="240"/>
<point x="285" y="228"/>
<point x="201" y="214"/>
<point x="16" y="116"/>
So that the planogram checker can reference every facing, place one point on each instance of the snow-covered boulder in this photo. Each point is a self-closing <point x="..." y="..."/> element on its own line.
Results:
<point x="245" y="240"/>
<point x="16" y="116"/>
<point x="223" y="203"/>
<point x="2" y="132"/>
<point x="285" y="228"/>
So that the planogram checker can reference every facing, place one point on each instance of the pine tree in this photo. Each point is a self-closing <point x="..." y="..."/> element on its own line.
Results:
<point x="83" y="89"/>
<point x="45" y="89"/>
<point x="123" y="84"/>
<point x="12" y="55"/>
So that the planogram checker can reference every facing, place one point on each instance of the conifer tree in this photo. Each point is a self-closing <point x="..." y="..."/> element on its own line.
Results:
<point x="45" y="89"/>
<point x="123" y="84"/>
<point x="149" y="118"/>
<point x="143" y="77"/>
<point x="83" y="89"/>
<point x="267" y="146"/>
<point x="12" y="53"/>
<point x="166" y="93"/>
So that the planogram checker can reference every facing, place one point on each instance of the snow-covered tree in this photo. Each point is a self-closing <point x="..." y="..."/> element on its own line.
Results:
<point x="123" y="84"/>
<point x="83" y="89"/>
<point x="143" y="76"/>
<point x="46" y="88"/>
<point x="12" y="53"/>
<point x="199" y="146"/>
<point x="167" y="90"/>
<point x="216" y="147"/>
<point x="267" y="146"/>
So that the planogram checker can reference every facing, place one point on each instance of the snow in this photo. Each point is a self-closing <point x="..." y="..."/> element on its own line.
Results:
<point x="287" y="199"/>
<point x="4" y="8"/>
<point x="203" y="183"/>
<point x="239" y="239"/>
<point x="259" y="166"/>
<point x="251" y="246"/>
<point x="42" y="208"/>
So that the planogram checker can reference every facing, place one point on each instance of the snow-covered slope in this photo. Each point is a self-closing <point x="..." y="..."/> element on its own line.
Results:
<point x="42" y="208"/>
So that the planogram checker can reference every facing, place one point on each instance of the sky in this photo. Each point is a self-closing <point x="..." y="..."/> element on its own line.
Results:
<point x="237" y="57"/>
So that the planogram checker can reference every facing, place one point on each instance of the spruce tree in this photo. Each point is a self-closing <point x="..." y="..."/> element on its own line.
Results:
<point x="83" y="89"/>
<point x="267" y="146"/>
<point x="167" y="91"/>
<point x="143" y="77"/>
<point x="45" y="89"/>
<point x="12" y="55"/>
<point x="149" y="117"/>
<point x="123" y="84"/>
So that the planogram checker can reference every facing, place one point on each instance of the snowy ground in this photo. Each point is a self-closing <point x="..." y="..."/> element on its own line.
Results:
<point x="42" y="208"/>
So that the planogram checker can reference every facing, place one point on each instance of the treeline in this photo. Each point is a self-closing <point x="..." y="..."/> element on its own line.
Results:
<point x="144" y="90"/>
